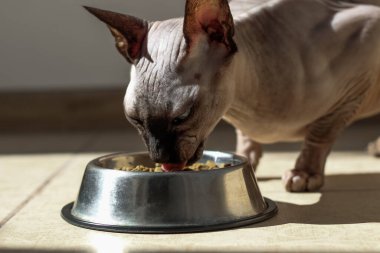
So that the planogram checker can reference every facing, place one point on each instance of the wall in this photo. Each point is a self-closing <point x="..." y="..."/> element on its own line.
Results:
<point x="55" y="44"/>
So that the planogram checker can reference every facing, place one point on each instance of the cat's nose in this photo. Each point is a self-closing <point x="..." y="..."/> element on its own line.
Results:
<point x="163" y="151"/>
<point x="159" y="155"/>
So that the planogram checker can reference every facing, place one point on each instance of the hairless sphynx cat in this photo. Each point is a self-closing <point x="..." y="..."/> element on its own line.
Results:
<point x="277" y="70"/>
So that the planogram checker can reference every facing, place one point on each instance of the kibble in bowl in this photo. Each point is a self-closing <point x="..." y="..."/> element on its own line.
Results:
<point x="209" y="165"/>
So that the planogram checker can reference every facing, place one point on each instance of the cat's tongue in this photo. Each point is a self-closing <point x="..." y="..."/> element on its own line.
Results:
<point x="168" y="167"/>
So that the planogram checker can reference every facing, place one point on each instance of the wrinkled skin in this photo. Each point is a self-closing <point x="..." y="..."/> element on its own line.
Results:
<point x="169" y="101"/>
<point x="282" y="71"/>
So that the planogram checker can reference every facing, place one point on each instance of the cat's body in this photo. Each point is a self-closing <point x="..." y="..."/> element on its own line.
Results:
<point x="282" y="70"/>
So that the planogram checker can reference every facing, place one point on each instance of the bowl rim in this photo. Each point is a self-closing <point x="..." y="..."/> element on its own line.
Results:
<point x="94" y="164"/>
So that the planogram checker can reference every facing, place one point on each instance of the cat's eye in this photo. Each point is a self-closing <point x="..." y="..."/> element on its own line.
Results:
<point x="181" y="118"/>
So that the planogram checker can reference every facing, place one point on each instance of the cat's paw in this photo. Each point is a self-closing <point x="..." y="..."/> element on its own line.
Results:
<point x="302" y="181"/>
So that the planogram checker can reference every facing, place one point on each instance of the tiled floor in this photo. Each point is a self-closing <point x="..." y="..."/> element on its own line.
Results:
<point x="41" y="173"/>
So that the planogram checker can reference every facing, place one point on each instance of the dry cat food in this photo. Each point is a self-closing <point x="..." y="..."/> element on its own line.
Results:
<point x="209" y="165"/>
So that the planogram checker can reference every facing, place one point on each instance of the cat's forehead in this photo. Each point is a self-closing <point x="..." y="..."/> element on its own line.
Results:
<point x="165" y="46"/>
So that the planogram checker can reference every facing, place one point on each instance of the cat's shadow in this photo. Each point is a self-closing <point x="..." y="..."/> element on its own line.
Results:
<point x="345" y="199"/>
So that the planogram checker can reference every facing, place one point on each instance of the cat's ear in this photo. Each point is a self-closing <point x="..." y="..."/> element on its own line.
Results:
<point x="129" y="32"/>
<point x="210" y="21"/>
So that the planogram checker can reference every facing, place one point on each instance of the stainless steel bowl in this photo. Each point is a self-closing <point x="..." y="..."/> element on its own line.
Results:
<point x="173" y="202"/>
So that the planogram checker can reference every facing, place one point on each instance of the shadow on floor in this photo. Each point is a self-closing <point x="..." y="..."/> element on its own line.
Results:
<point x="345" y="199"/>
<point x="223" y="137"/>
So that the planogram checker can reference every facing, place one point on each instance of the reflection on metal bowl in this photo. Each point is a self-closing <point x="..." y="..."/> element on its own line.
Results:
<point x="173" y="202"/>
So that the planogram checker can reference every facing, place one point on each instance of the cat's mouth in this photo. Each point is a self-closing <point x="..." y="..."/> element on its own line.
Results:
<point x="170" y="167"/>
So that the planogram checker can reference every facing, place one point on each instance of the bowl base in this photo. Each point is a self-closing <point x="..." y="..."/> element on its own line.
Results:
<point x="267" y="214"/>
